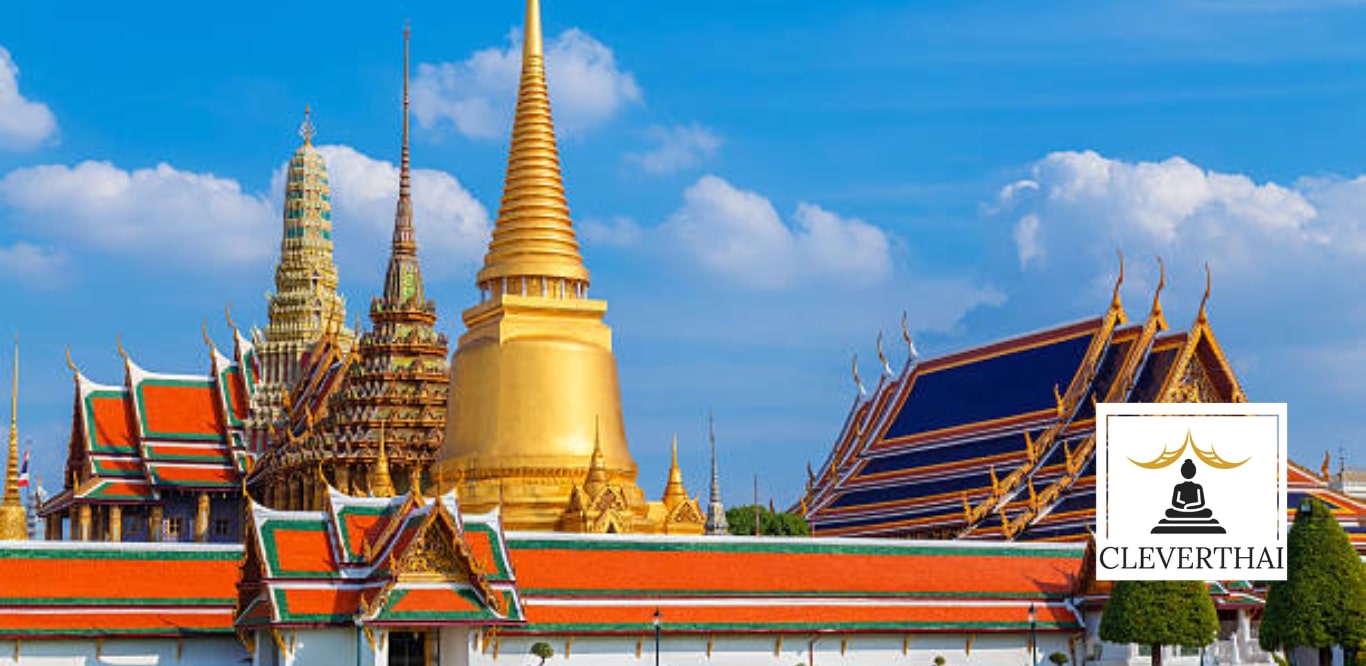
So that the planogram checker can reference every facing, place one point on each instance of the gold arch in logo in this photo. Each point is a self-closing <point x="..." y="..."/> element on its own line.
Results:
<point x="1209" y="457"/>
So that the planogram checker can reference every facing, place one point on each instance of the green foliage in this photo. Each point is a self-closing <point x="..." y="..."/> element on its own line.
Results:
<point x="1322" y="602"/>
<point x="939" y="660"/>
<point x="542" y="650"/>
<point x="1058" y="658"/>
<point x="1159" y="612"/>
<point x="1280" y="661"/>
<point x="741" y="521"/>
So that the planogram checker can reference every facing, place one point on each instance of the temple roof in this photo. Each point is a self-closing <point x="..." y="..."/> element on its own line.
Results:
<point x="574" y="583"/>
<point x="386" y="561"/>
<point x="997" y="442"/>
<point x="159" y="431"/>
<point x="51" y="589"/>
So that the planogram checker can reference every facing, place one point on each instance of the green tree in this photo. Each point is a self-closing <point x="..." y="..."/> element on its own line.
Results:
<point x="741" y="521"/>
<point x="1322" y="601"/>
<point x="542" y="650"/>
<point x="1159" y="612"/>
<point x="1058" y="658"/>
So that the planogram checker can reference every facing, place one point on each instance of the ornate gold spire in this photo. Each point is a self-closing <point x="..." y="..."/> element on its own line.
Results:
<point x="674" y="492"/>
<point x="597" y="471"/>
<point x="381" y="483"/>
<point x="13" y="518"/>
<point x="533" y="237"/>
<point x="403" y="280"/>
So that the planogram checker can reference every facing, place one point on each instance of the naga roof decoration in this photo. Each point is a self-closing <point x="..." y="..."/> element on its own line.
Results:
<point x="158" y="431"/>
<point x="997" y="442"/>
<point x="586" y="584"/>
<point x="377" y="561"/>
<point x="53" y="589"/>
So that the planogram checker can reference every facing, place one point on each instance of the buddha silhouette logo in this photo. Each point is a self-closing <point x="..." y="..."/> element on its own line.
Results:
<point x="1190" y="491"/>
<point x="1188" y="513"/>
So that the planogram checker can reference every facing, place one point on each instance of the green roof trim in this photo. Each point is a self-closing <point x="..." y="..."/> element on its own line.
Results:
<point x="144" y="552"/>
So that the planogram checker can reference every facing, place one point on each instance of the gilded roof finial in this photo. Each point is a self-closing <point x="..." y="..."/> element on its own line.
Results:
<point x="886" y="367"/>
<point x="306" y="129"/>
<point x="381" y="484"/>
<point x="533" y="236"/>
<point x="71" y="364"/>
<point x="1203" y="317"/>
<point x="208" y="340"/>
<point x="1114" y="298"/>
<point x="906" y="335"/>
<point x="857" y="381"/>
<point x="13" y="517"/>
<point x="1156" y="311"/>
<point x="674" y="492"/>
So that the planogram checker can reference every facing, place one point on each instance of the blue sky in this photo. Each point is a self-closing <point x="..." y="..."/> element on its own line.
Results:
<point x="760" y="187"/>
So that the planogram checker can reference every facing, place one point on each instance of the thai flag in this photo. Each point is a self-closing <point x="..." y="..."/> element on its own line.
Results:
<point x="23" y="470"/>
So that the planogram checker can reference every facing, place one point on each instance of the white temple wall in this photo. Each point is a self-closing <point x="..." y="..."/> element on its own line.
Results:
<point x="305" y="647"/>
<point x="747" y="649"/>
<point x="197" y="651"/>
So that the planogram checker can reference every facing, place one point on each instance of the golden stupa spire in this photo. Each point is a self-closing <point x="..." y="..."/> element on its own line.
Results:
<point x="674" y="492"/>
<point x="381" y="483"/>
<point x="533" y="246"/>
<point x="13" y="518"/>
<point x="597" y="470"/>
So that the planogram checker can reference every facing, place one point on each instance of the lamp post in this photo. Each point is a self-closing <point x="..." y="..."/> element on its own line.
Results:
<point x="658" y="629"/>
<point x="1033" y="617"/>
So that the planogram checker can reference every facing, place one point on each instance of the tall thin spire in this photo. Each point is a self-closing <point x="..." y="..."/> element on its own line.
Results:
<point x="716" y="512"/>
<point x="403" y="279"/>
<point x="533" y="238"/>
<point x="13" y="519"/>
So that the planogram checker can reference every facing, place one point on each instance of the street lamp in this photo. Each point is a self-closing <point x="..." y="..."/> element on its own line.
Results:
<point x="657" y="631"/>
<point x="1033" y="617"/>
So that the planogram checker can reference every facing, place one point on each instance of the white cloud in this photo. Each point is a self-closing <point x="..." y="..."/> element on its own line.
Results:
<point x="477" y="95"/>
<point x="452" y="226"/>
<point x="1027" y="239"/>
<point x="678" y="147"/>
<point x="738" y="235"/>
<point x="180" y="217"/>
<point x="33" y="265"/>
<point x="200" y="220"/>
<point x="24" y="124"/>
<point x="617" y="232"/>
<point x="1082" y="200"/>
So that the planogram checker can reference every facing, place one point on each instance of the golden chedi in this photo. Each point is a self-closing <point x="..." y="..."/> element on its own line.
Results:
<point x="534" y="398"/>
<point x="13" y="517"/>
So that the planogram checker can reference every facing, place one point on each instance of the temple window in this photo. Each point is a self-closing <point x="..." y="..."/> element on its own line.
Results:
<point x="175" y="528"/>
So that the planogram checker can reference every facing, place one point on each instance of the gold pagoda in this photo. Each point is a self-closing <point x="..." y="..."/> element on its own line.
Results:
<point x="305" y="305"/>
<point x="366" y="418"/>
<point x="534" y="422"/>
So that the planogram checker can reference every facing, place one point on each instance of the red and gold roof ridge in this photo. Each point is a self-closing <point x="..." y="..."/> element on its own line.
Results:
<point x="377" y="561"/>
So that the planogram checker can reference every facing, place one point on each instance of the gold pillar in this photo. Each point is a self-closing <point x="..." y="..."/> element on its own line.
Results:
<point x="116" y="523"/>
<point x="201" y="519"/>
<point x="84" y="522"/>
<point x="343" y="472"/>
<point x="154" y="531"/>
